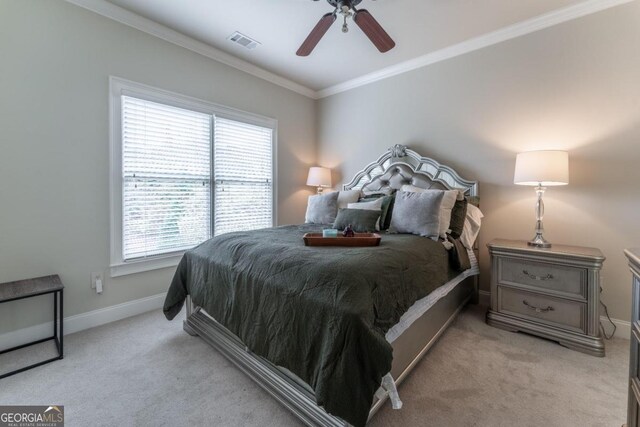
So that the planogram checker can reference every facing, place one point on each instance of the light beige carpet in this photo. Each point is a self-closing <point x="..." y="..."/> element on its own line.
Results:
<point x="146" y="371"/>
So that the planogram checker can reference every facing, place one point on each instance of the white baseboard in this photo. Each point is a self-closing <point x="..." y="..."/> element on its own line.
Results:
<point x="91" y="319"/>
<point x="623" y="328"/>
<point x="80" y="322"/>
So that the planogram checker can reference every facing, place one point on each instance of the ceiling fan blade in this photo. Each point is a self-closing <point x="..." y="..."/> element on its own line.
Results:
<point x="373" y="30"/>
<point x="316" y="34"/>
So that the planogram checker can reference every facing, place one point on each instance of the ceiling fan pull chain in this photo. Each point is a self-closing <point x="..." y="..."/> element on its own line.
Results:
<point x="345" y="28"/>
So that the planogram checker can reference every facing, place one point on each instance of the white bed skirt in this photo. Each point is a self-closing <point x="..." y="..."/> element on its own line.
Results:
<point x="422" y="305"/>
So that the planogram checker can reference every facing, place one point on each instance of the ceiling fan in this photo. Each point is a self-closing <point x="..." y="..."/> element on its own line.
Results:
<point x="362" y="18"/>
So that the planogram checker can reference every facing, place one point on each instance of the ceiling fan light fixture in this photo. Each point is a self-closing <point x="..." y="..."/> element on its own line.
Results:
<point x="345" y="27"/>
<point x="367" y="23"/>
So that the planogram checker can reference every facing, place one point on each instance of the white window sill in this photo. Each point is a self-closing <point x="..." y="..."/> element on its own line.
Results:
<point x="140" y="266"/>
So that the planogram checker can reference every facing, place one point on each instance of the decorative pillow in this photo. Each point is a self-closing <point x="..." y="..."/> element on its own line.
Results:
<point x="387" y="206"/>
<point x="372" y="195"/>
<point x="417" y="213"/>
<point x="458" y="256"/>
<point x="448" y="201"/>
<point x="374" y="205"/>
<point x="471" y="226"/>
<point x="361" y="220"/>
<point x="322" y="208"/>
<point x="458" y="215"/>
<point x="474" y="200"/>
<point x="382" y="192"/>
<point x="387" y="220"/>
<point x="346" y="197"/>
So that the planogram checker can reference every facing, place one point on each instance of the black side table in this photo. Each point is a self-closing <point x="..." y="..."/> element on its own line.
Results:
<point x="12" y="291"/>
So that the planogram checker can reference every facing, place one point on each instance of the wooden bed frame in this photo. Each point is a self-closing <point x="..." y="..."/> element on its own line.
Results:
<point x="398" y="166"/>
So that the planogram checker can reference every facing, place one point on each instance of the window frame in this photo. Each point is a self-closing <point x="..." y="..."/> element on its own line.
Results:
<point x="119" y="87"/>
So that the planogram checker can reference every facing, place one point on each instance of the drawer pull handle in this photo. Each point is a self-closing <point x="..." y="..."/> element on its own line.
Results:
<point x="534" y="277"/>
<point x="537" y="309"/>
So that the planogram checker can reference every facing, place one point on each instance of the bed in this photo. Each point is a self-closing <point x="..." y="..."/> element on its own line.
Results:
<point x="356" y="358"/>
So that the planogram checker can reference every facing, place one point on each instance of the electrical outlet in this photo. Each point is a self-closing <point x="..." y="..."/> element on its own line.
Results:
<point x="94" y="277"/>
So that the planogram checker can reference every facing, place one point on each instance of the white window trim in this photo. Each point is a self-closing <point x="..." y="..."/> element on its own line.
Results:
<point x="118" y="87"/>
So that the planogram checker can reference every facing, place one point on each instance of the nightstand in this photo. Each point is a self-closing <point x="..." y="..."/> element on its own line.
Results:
<point x="550" y="292"/>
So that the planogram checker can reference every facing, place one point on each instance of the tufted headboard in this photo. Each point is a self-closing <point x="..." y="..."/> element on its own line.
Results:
<point x="400" y="165"/>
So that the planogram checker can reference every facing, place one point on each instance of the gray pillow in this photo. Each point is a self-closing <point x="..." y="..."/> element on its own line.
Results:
<point x="371" y="205"/>
<point x="361" y="220"/>
<point x="322" y="208"/>
<point x="448" y="201"/>
<point x="417" y="213"/>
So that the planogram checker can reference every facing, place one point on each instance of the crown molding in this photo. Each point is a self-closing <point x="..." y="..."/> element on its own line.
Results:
<point x="507" y="33"/>
<point x="124" y="16"/>
<point x="117" y="13"/>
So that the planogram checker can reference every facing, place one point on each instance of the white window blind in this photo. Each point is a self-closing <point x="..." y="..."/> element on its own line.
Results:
<point x="243" y="173"/>
<point x="166" y="172"/>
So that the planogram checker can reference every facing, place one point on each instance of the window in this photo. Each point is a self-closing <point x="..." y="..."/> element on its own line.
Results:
<point x="183" y="170"/>
<point x="166" y="178"/>
<point x="243" y="176"/>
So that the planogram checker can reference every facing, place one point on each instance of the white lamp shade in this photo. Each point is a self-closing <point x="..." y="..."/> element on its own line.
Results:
<point x="319" y="177"/>
<point x="544" y="168"/>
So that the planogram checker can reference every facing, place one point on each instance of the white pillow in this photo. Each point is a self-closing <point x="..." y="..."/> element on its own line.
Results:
<point x="375" y="205"/>
<point x="346" y="197"/>
<point x="471" y="226"/>
<point x="448" y="201"/>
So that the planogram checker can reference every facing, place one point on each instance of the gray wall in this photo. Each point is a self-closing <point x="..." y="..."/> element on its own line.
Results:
<point x="54" y="194"/>
<point x="575" y="86"/>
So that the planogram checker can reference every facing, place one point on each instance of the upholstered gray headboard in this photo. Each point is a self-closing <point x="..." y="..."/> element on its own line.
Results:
<point x="400" y="165"/>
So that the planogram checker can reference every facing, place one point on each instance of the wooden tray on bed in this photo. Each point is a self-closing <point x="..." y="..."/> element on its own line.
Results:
<point x="359" y="240"/>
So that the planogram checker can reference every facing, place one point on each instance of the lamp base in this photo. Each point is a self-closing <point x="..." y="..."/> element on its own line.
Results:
<point x="539" y="242"/>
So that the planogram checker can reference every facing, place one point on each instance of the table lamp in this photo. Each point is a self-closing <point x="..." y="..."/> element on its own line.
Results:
<point x="319" y="177"/>
<point x="541" y="169"/>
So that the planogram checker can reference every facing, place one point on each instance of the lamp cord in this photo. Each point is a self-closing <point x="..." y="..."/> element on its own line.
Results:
<point x="606" y="312"/>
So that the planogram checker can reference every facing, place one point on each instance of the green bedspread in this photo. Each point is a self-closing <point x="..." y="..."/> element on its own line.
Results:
<point x="320" y="312"/>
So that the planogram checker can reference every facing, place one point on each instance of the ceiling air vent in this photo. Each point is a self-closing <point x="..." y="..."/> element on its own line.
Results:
<point x="244" y="41"/>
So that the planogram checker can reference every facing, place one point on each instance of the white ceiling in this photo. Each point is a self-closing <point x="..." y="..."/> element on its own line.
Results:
<point x="417" y="26"/>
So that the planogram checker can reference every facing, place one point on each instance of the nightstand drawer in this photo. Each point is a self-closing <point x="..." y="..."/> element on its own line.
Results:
<point x="557" y="279"/>
<point x="565" y="314"/>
